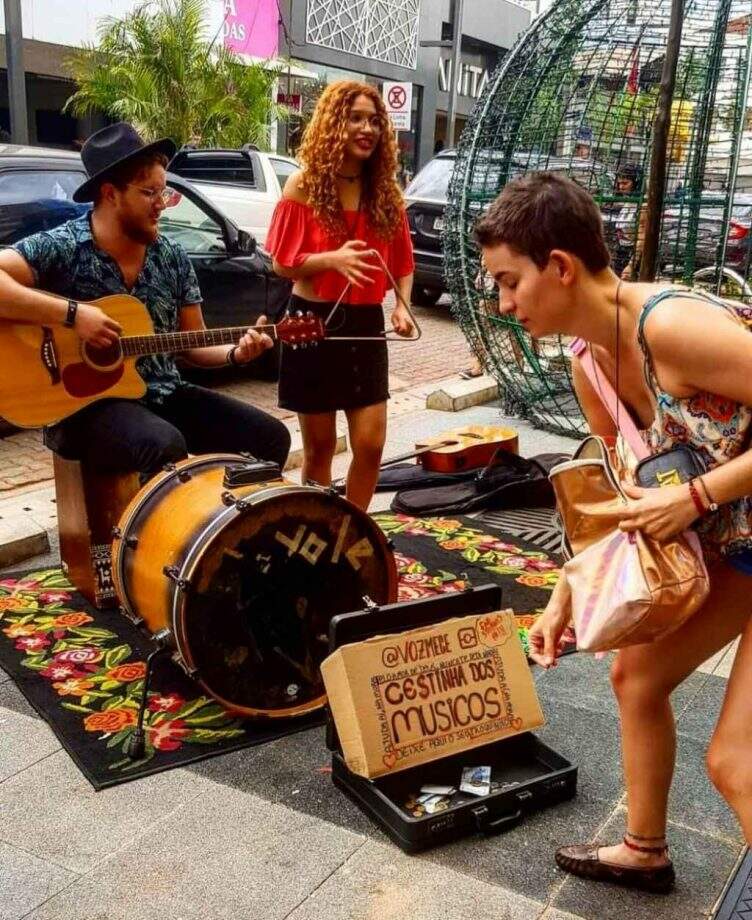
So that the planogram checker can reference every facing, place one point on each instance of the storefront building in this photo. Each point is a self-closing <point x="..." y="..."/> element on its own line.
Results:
<point x="325" y="40"/>
<point x="381" y="41"/>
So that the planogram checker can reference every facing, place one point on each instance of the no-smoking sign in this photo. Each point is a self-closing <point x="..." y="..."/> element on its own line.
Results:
<point x="398" y="99"/>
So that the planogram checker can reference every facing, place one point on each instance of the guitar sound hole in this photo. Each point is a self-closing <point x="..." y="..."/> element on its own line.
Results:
<point x="103" y="357"/>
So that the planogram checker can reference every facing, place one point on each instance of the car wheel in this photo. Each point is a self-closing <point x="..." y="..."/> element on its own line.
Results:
<point x="425" y="296"/>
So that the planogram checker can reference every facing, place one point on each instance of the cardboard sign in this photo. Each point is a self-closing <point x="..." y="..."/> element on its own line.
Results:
<point x="406" y="699"/>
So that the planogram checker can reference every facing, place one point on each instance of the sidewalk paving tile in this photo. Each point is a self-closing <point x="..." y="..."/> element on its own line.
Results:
<point x="694" y="802"/>
<point x="290" y="771"/>
<point x="697" y="714"/>
<point x="26" y="882"/>
<point x="223" y="856"/>
<point x="722" y="662"/>
<point x="584" y="681"/>
<point x="52" y="811"/>
<point x="553" y="913"/>
<point x="380" y="882"/>
<point x="702" y="866"/>
<point x="24" y="738"/>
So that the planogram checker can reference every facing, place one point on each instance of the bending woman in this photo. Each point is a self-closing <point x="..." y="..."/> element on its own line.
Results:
<point x="336" y="212"/>
<point x="684" y="375"/>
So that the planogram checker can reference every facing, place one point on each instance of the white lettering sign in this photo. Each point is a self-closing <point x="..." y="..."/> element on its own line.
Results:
<point x="471" y="81"/>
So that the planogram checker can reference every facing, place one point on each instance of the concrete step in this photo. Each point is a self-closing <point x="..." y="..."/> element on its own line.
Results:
<point x="455" y="395"/>
<point x="295" y="458"/>
<point x="20" y="539"/>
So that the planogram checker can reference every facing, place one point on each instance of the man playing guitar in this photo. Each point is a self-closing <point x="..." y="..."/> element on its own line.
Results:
<point x="116" y="249"/>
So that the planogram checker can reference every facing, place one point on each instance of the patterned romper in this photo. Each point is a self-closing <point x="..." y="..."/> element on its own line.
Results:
<point x="716" y="427"/>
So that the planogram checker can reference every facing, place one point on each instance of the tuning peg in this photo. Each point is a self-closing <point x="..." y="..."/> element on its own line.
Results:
<point x="299" y="313"/>
<point x="309" y="314"/>
<point x="293" y="345"/>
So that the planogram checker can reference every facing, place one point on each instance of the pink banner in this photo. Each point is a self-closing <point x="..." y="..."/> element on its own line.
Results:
<point x="252" y="27"/>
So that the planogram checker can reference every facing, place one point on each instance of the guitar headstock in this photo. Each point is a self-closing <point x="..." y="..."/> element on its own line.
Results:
<point x="301" y="329"/>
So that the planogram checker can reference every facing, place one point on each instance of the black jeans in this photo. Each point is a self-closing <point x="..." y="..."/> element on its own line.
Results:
<point x="118" y="435"/>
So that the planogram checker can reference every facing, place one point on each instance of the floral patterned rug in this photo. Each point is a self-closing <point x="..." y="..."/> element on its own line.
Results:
<point x="82" y="669"/>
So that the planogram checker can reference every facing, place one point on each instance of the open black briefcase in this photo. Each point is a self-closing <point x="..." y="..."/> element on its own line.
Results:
<point x="526" y="775"/>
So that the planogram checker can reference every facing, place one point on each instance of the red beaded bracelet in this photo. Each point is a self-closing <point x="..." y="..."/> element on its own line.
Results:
<point x="712" y="505"/>
<point x="701" y="509"/>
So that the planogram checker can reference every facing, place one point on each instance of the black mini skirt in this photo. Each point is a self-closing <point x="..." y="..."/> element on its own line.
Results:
<point x="336" y="375"/>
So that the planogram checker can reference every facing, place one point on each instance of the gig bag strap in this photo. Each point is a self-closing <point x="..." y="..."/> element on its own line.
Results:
<point x="615" y="408"/>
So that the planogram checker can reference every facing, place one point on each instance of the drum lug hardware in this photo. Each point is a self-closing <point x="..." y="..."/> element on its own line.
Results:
<point x="185" y="476"/>
<point x="164" y="638"/>
<point x="133" y="617"/>
<point x="183" y="665"/>
<point x="169" y="468"/>
<point x="130" y="542"/>
<point x="231" y="500"/>
<point x="173" y="573"/>
<point x="370" y="605"/>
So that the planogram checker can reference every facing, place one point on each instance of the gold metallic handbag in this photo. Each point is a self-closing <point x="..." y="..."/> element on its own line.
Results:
<point x="626" y="588"/>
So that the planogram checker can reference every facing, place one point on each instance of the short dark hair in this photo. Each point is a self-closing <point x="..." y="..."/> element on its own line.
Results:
<point x="543" y="211"/>
<point x="123" y="175"/>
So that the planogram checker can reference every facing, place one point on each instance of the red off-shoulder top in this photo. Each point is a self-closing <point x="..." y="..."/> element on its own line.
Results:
<point x="295" y="233"/>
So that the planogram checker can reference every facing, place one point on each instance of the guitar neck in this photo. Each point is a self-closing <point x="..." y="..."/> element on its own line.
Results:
<point x="170" y="342"/>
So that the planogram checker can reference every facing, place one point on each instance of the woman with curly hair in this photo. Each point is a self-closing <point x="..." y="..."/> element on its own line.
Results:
<point x="336" y="213"/>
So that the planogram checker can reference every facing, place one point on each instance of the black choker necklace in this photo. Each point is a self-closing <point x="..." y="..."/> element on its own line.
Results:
<point x="349" y="178"/>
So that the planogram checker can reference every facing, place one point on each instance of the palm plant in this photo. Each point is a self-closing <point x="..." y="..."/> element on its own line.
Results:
<point x="158" y="69"/>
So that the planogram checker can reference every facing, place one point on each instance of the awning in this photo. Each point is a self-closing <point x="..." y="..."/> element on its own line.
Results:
<point x="284" y="67"/>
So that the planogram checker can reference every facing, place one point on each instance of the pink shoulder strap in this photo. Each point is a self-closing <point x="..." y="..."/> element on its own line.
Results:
<point x="602" y="386"/>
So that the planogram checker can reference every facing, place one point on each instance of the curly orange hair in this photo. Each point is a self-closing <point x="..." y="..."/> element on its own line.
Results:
<point x="322" y="151"/>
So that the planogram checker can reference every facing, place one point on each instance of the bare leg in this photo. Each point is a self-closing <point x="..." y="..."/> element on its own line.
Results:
<point x="319" y="432"/>
<point x="367" y="427"/>
<point x="643" y="678"/>
<point x="730" y="753"/>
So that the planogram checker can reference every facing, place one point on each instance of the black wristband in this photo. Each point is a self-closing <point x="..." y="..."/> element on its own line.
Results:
<point x="231" y="357"/>
<point x="70" y="317"/>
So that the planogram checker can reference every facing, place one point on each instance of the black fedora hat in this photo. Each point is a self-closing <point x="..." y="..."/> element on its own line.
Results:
<point x="112" y="146"/>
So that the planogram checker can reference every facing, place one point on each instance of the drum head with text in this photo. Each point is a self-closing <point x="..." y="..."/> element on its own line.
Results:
<point x="255" y="622"/>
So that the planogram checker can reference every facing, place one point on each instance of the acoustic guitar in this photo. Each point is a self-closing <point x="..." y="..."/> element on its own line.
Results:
<point x="47" y="373"/>
<point x="463" y="448"/>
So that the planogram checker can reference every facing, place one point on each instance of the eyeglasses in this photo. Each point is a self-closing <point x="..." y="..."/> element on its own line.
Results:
<point x="360" y="121"/>
<point x="164" y="195"/>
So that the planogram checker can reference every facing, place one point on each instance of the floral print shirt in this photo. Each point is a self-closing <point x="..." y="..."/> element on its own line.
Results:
<point x="716" y="427"/>
<point x="67" y="261"/>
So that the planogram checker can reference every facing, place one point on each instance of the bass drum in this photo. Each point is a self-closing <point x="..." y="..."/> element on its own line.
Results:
<point x="242" y="578"/>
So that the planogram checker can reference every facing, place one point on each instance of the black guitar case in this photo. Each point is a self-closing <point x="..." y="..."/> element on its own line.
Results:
<point x="509" y="481"/>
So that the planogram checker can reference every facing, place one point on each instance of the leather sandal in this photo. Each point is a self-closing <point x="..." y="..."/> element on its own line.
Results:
<point x="582" y="860"/>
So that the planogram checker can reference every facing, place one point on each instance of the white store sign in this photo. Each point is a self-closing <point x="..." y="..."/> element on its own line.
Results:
<point x="398" y="99"/>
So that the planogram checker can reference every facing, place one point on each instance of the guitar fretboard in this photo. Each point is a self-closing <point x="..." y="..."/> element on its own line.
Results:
<point x="167" y="342"/>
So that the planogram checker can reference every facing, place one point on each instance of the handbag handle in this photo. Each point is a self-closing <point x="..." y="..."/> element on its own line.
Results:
<point x="614" y="406"/>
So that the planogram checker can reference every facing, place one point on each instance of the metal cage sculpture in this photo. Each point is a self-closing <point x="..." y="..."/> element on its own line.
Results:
<point x="577" y="94"/>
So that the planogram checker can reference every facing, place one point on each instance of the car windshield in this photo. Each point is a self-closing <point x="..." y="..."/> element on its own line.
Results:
<point x="433" y="180"/>
<point x="20" y="185"/>
<point x="185" y="223"/>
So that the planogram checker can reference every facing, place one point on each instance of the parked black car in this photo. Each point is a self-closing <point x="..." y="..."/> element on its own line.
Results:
<point x="236" y="277"/>
<point x="426" y="200"/>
